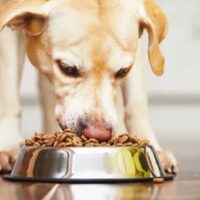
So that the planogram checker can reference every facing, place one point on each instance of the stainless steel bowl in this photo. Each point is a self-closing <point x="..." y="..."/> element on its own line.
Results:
<point x="96" y="164"/>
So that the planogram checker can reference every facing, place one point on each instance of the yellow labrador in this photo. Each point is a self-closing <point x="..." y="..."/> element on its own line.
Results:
<point x="87" y="49"/>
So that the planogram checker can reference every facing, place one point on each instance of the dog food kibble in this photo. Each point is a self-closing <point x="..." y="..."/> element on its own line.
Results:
<point x="70" y="139"/>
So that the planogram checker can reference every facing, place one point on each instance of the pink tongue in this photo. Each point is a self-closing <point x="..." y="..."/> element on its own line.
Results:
<point x="100" y="134"/>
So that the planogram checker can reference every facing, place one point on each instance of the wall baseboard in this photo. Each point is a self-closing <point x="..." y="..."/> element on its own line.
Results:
<point x="154" y="100"/>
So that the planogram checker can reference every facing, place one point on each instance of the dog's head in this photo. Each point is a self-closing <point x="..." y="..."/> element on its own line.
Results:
<point x="86" y="48"/>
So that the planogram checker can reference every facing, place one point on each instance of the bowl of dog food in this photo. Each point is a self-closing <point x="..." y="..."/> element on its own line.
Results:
<point x="66" y="157"/>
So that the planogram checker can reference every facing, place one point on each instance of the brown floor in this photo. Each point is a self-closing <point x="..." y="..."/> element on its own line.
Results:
<point x="185" y="186"/>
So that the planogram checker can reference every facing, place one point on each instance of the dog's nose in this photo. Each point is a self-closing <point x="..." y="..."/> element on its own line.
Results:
<point x="97" y="130"/>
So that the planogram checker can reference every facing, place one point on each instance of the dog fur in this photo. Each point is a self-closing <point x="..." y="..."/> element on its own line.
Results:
<point x="98" y="38"/>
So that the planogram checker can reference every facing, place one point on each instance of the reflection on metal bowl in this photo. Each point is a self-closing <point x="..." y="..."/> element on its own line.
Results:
<point x="96" y="164"/>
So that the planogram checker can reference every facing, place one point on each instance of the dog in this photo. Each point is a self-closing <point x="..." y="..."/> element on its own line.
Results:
<point x="90" y="52"/>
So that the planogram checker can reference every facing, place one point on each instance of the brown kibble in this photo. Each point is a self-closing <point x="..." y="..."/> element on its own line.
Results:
<point x="69" y="133"/>
<point x="48" y="136"/>
<point x="91" y="140"/>
<point x="40" y="141"/>
<point x="77" y="143"/>
<point x="90" y="144"/>
<point x="44" y="141"/>
<point x="103" y="143"/>
<point x="38" y="136"/>
<point x="84" y="138"/>
<point x="119" y="144"/>
<point x="123" y="139"/>
<point x="62" y="144"/>
<point x="68" y="144"/>
<point x="56" y="134"/>
<point x="135" y="140"/>
<point x="61" y="137"/>
<point x="145" y="142"/>
<point x="70" y="139"/>
<point x="97" y="145"/>
<point x="36" y="144"/>
<point x="128" y="144"/>
<point x="28" y="142"/>
<point x="112" y="140"/>
<point x="55" y="143"/>
<point x="50" y="142"/>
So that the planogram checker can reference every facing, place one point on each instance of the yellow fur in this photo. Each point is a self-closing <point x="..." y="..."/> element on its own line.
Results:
<point x="157" y="30"/>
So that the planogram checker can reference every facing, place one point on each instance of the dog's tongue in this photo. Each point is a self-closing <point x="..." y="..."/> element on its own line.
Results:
<point x="98" y="133"/>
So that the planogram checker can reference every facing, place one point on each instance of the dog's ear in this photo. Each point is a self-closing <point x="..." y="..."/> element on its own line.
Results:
<point x="28" y="15"/>
<point x="154" y="20"/>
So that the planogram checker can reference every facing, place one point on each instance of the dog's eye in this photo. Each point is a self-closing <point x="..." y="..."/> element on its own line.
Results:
<point x="122" y="72"/>
<point x="71" y="71"/>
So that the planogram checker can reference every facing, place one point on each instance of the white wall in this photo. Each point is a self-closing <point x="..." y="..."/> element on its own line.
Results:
<point x="181" y="49"/>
